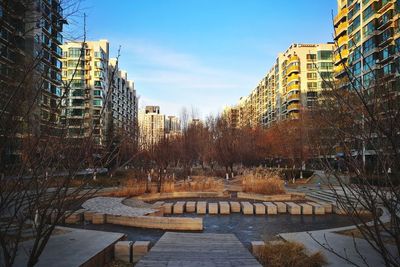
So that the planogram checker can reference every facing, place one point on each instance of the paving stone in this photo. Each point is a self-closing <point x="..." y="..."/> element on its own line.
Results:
<point x="282" y="207"/>
<point x="306" y="209"/>
<point x="224" y="207"/>
<point x="190" y="206"/>
<point x="247" y="208"/>
<point x="235" y="206"/>
<point x="201" y="207"/>
<point x="168" y="208"/>
<point x="272" y="209"/>
<point x="123" y="251"/>
<point x="212" y="208"/>
<point x="259" y="208"/>
<point x="317" y="208"/>
<point x="293" y="208"/>
<point x="179" y="207"/>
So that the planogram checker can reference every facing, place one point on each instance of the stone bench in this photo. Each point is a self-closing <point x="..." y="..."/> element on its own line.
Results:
<point x="247" y="208"/>
<point x="168" y="208"/>
<point x="281" y="207"/>
<point x="235" y="206"/>
<point x="224" y="207"/>
<point x="212" y="208"/>
<point x="123" y="251"/>
<point x="88" y="215"/>
<point x="139" y="249"/>
<point x="179" y="207"/>
<point x="259" y="208"/>
<point x="327" y="206"/>
<point x="75" y="217"/>
<point x="190" y="206"/>
<point x="293" y="208"/>
<point x="272" y="209"/>
<point x="201" y="207"/>
<point x="306" y="209"/>
<point x="98" y="218"/>
<point x="317" y="208"/>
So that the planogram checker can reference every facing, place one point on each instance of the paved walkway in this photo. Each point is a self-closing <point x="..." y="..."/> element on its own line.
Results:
<point x="114" y="206"/>
<point x="194" y="250"/>
<point x="71" y="248"/>
<point x="357" y="250"/>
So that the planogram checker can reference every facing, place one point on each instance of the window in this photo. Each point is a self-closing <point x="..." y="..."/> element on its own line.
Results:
<point x="369" y="45"/>
<point x="97" y="92"/>
<point x="356" y="69"/>
<point x="326" y="75"/>
<point x="311" y="57"/>
<point x="369" y="29"/>
<point x="311" y="66"/>
<point x="98" y="102"/>
<point x="387" y="69"/>
<point x="354" y="11"/>
<point x="325" y="55"/>
<point x="369" y="62"/>
<point x="386" y="53"/>
<point x="75" y="52"/>
<point x="354" y="25"/>
<point x="368" y="79"/>
<point x="368" y="12"/>
<point x="386" y="35"/>
<point x="312" y="75"/>
<point x="312" y="85"/>
<point x="98" y="83"/>
<point x="325" y="66"/>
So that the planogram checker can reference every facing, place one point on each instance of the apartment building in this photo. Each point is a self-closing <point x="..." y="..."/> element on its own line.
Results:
<point x="172" y="127"/>
<point x="30" y="35"/>
<point x="123" y="103"/>
<point x="151" y="126"/>
<point x="367" y="36"/>
<point x="291" y="86"/>
<point x="85" y="74"/>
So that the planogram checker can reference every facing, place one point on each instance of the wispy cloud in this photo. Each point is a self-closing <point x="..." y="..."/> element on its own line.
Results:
<point x="179" y="79"/>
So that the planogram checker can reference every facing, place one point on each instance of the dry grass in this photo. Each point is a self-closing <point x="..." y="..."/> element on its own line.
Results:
<point x="289" y="254"/>
<point x="265" y="182"/>
<point x="135" y="187"/>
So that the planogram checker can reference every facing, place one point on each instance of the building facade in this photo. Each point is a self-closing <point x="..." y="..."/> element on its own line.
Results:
<point x="292" y="85"/>
<point x="151" y="127"/>
<point x="85" y="75"/>
<point x="172" y="127"/>
<point x="367" y="37"/>
<point x="30" y="35"/>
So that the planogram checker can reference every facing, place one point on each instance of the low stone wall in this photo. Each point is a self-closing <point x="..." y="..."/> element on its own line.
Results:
<point x="157" y="196"/>
<point x="165" y="223"/>
<point x="283" y="197"/>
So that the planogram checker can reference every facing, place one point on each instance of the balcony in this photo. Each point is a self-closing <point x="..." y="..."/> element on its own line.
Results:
<point x="341" y="15"/>
<point x="343" y="40"/>
<point x="339" y="57"/>
<point x="293" y="69"/>
<point x="342" y="28"/>
<point x="339" y="69"/>
<point x="294" y="77"/>
<point x="293" y="87"/>
<point x="293" y="97"/>
<point x="293" y="107"/>
<point x="293" y="58"/>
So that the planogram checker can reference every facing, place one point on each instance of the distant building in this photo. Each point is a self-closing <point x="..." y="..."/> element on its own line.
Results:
<point x="151" y="126"/>
<point x="292" y="85"/>
<point x="172" y="127"/>
<point x="231" y="114"/>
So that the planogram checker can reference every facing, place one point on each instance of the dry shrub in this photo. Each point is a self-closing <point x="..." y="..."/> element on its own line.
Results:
<point x="265" y="182"/>
<point x="200" y="184"/>
<point x="131" y="188"/>
<point x="289" y="254"/>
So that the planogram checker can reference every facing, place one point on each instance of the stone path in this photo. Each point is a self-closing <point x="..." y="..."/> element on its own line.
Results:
<point x="114" y="206"/>
<point x="193" y="250"/>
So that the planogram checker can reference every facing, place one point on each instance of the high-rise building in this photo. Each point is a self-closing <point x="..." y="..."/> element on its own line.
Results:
<point x="123" y="103"/>
<point x="151" y="126"/>
<point x="172" y="126"/>
<point x="30" y="67"/>
<point x="292" y="84"/>
<point x="85" y="74"/>
<point x="367" y="34"/>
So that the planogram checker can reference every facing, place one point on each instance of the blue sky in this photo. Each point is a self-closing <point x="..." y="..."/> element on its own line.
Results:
<point x="203" y="53"/>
